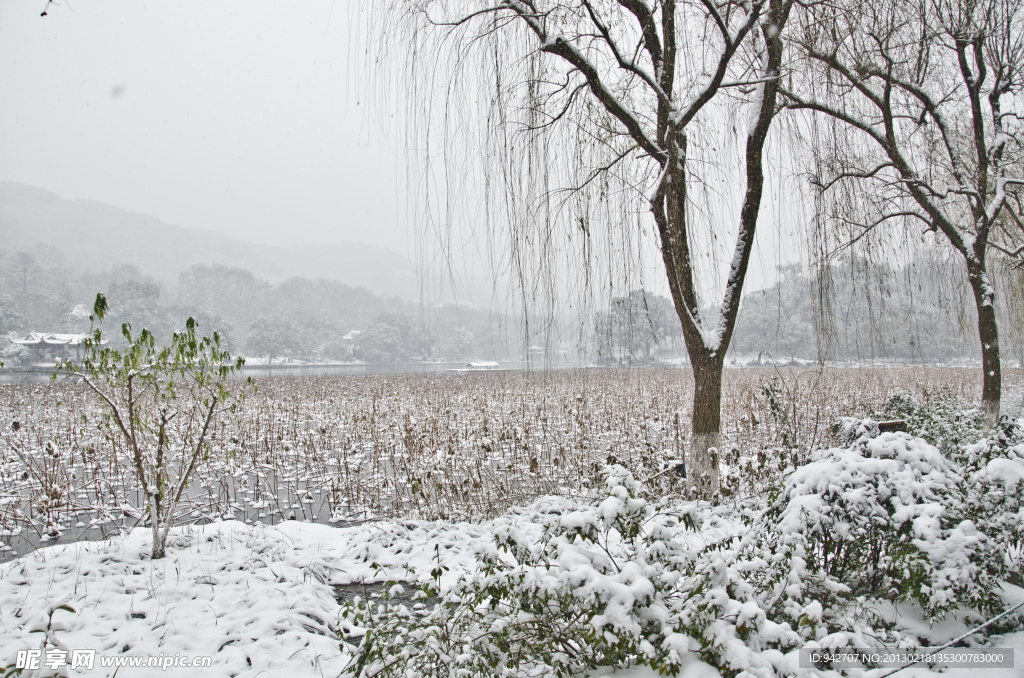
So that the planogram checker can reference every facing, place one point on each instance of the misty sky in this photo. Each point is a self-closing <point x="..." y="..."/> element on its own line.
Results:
<point x="241" y="117"/>
<point x="247" y="118"/>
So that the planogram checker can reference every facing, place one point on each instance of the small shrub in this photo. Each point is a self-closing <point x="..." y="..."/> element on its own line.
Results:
<point x="883" y="518"/>
<point x="994" y="494"/>
<point x="945" y="420"/>
<point x="161" y="406"/>
<point x="600" y="588"/>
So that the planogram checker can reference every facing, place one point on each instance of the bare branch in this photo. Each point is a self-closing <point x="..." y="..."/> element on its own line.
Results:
<point x="849" y="175"/>
<point x="682" y="118"/>
<point x="649" y="29"/>
<point x="563" y="48"/>
<point x="625" y="64"/>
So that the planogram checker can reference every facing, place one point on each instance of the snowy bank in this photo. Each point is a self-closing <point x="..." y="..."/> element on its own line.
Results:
<point x="711" y="582"/>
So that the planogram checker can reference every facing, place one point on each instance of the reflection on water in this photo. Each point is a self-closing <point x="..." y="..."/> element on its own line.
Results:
<point x="267" y="499"/>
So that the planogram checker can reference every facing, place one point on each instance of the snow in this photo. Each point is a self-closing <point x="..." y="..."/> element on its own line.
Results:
<point x="257" y="599"/>
<point x="755" y="107"/>
<point x="261" y="600"/>
<point x="898" y="470"/>
<point x="253" y="599"/>
<point x="690" y="667"/>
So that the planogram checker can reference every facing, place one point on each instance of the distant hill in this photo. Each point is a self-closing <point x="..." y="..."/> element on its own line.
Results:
<point x="96" y="236"/>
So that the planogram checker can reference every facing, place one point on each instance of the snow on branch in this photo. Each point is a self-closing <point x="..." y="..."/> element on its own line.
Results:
<point x="560" y="46"/>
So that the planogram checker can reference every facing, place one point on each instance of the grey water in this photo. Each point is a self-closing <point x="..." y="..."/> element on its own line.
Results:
<point x="291" y="500"/>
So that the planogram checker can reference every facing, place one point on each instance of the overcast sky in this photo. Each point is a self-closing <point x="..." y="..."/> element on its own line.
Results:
<point x="244" y="117"/>
<point x="241" y="117"/>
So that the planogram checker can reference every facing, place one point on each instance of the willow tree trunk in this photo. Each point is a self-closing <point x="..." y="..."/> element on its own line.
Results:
<point x="707" y="339"/>
<point x="988" y="332"/>
<point x="707" y="426"/>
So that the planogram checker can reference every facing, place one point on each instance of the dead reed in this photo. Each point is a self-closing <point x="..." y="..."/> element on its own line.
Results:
<point x="441" y="446"/>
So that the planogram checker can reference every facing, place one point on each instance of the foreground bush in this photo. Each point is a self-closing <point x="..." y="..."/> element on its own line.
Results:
<point x="601" y="587"/>
<point x="883" y="520"/>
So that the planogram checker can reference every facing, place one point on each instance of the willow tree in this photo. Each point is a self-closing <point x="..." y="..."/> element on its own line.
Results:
<point x="605" y="107"/>
<point x="923" y="102"/>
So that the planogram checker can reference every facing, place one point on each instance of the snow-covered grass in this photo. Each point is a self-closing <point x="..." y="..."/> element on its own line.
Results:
<point x="428" y="446"/>
<point x="827" y="536"/>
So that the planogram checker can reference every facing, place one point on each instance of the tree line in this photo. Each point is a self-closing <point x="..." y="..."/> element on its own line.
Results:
<point x="916" y="313"/>
<point x="913" y="313"/>
<point x="41" y="291"/>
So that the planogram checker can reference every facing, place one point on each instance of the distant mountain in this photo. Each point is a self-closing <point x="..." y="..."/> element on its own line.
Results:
<point x="96" y="236"/>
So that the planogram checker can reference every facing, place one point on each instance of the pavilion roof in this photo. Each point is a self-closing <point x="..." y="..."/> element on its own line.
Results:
<point x="51" y="338"/>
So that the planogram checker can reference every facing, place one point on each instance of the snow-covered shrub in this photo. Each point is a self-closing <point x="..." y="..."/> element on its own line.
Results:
<point x="724" y="611"/>
<point x="991" y="463"/>
<point x="14" y="354"/>
<point x="883" y="518"/>
<point x="602" y="587"/>
<point x="994" y="493"/>
<point x="758" y="473"/>
<point x="887" y="518"/>
<point x="900" y="403"/>
<point x="945" y="420"/>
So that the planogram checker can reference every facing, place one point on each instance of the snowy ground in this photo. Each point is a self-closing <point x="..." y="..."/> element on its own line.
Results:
<point x="258" y="600"/>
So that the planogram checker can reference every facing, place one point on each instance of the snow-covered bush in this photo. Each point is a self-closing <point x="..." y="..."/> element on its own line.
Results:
<point x="621" y="581"/>
<point x="602" y="587"/>
<point x="14" y="354"/>
<point x="886" y="519"/>
<point x="759" y="473"/>
<point x="994" y="493"/>
<point x="991" y="463"/>
<point x="945" y="420"/>
<point x="883" y="518"/>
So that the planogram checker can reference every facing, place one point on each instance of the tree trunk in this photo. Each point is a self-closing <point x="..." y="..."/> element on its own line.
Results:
<point x="988" y="332"/>
<point x="702" y="469"/>
<point x="159" y="548"/>
<point x="707" y="341"/>
<point x="158" y="539"/>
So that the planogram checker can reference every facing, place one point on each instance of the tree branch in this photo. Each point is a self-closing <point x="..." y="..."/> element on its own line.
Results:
<point x="563" y="48"/>
<point x="649" y="30"/>
<point x="682" y="118"/>
<point x="625" y="64"/>
<point x="850" y="175"/>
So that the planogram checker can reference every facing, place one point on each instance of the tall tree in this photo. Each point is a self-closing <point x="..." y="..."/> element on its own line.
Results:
<point x="922" y="100"/>
<point x="636" y="324"/>
<point x="618" y="89"/>
<point x="235" y="294"/>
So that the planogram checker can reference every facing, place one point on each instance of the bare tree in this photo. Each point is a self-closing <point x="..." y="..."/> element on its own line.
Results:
<point x="635" y="325"/>
<point x="621" y="92"/>
<point x="922" y="102"/>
